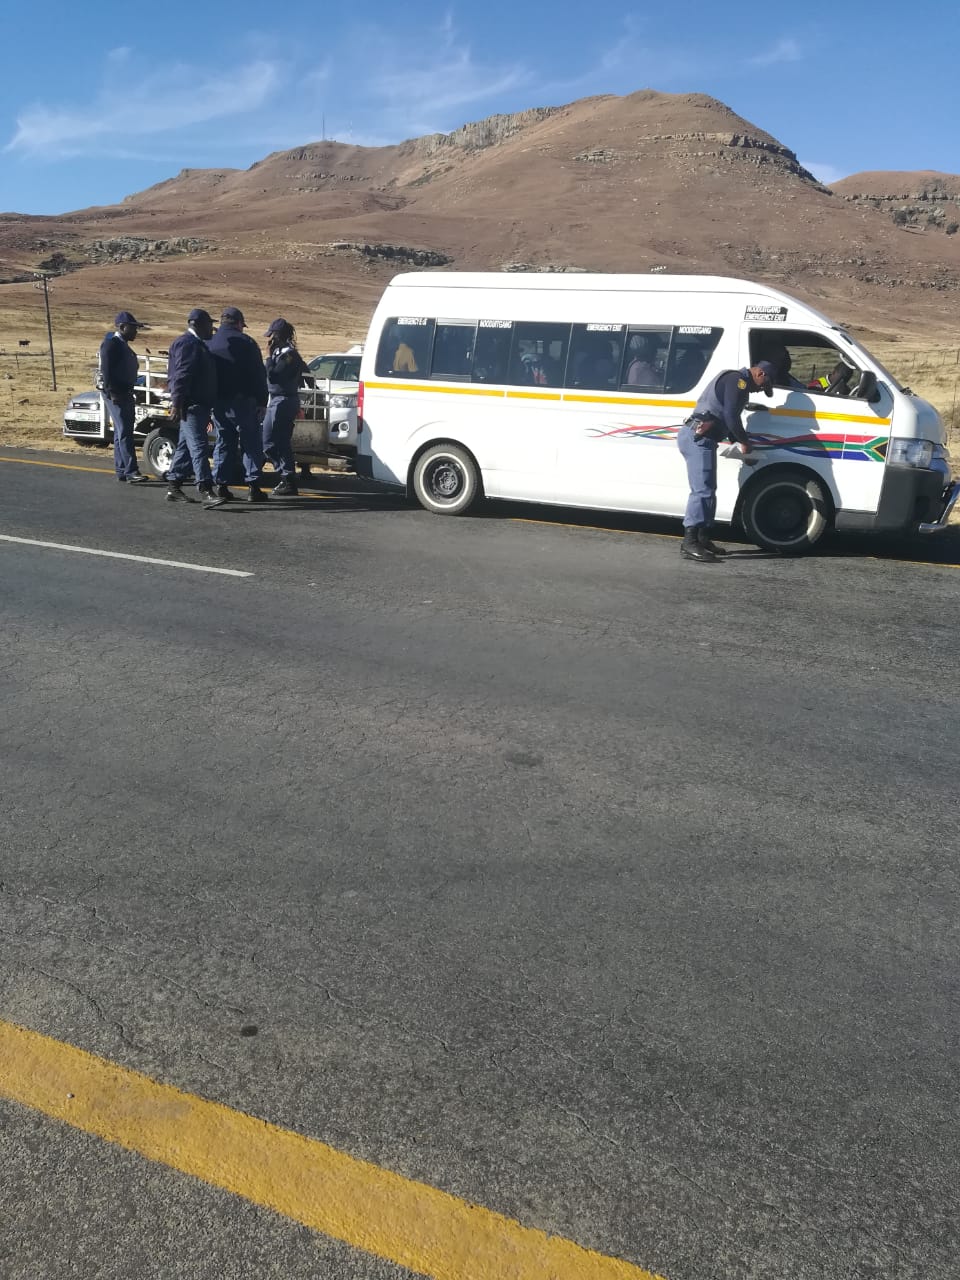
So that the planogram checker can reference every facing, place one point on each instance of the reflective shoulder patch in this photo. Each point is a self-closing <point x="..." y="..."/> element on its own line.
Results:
<point x="741" y="384"/>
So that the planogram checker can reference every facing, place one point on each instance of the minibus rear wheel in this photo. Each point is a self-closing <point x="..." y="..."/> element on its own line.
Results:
<point x="786" y="509"/>
<point x="446" y="480"/>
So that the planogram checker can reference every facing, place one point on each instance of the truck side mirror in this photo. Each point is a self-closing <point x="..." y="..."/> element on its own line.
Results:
<point x="866" y="388"/>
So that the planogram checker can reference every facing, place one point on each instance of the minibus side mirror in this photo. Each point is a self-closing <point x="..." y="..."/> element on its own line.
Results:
<point x="866" y="388"/>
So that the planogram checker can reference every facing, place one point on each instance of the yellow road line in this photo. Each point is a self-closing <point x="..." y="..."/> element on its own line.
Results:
<point x="369" y="1208"/>
<point x="61" y="466"/>
<point x="70" y="466"/>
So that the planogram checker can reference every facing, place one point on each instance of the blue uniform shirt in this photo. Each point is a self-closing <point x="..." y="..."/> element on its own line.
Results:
<point x="285" y="370"/>
<point x="239" y="365"/>
<point x="722" y="404"/>
<point x="191" y="373"/>
<point x="118" y="366"/>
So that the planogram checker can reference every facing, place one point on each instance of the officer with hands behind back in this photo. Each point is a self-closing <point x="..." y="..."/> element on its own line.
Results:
<point x="118" y="377"/>
<point x="241" y="400"/>
<point x="192" y="382"/>
<point x="718" y="415"/>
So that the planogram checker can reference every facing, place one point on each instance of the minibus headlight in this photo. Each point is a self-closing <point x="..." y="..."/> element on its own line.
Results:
<point x="343" y="402"/>
<point x="910" y="453"/>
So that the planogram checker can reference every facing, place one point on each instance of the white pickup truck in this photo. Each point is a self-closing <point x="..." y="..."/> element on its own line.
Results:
<point x="326" y="428"/>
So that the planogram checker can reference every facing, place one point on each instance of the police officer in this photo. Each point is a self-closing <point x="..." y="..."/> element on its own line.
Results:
<point x="192" y="382"/>
<point x="241" y="400"/>
<point x="718" y="415"/>
<point x="286" y="370"/>
<point x="118" y="377"/>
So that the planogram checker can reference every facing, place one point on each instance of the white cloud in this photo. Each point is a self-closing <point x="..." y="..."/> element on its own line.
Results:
<point x="785" y="50"/>
<point x="179" y="98"/>
<point x="825" y="173"/>
<point x="421" y="84"/>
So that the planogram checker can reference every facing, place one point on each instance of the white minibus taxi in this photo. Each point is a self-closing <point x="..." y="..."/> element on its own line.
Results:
<point x="570" y="389"/>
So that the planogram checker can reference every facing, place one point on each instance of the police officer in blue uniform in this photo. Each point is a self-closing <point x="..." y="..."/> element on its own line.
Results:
<point x="718" y="415"/>
<point x="286" y="370"/>
<point x="192" y="382"/>
<point x="118" y="377"/>
<point x="239" y="406"/>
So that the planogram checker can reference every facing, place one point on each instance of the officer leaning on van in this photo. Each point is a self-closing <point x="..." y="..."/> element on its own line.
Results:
<point x="118" y="376"/>
<point x="192" y="382"/>
<point x="718" y="415"/>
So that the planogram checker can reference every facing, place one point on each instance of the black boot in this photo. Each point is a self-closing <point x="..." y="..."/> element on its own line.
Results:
<point x="708" y="545"/>
<point x="209" y="499"/>
<point x="175" y="492"/>
<point x="287" y="488"/>
<point x="256" y="494"/>
<point x="223" y="491"/>
<point x="691" y="549"/>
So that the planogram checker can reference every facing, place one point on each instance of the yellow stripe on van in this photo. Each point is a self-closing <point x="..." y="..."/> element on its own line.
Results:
<point x="471" y="390"/>
<point x="534" y="395"/>
<point x="639" y="402"/>
<point x="829" y="417"/>
<point x="631" y="400"/>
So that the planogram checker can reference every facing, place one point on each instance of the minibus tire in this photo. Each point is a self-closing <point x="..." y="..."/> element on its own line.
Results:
<point x="786" y="509"/>
<point x="446" y="480"/>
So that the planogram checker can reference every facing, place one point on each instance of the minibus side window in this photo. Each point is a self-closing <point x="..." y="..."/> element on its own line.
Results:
<point x="453" y="349"/>
<point x="645" y="359"/>
<point x="595" y="354"/>
<point x="539" y="354"/>
<point x="491" y="354"/>
<point x="404" y="349"/>
<point x="693" y="345"/>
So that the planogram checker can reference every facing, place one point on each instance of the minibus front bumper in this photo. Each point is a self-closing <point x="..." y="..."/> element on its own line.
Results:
<point x="912" y="499"/>
<point x="950" y="495"/>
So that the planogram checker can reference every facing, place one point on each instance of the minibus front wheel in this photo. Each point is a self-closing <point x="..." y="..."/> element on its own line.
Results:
<point x="446" y="479"/>
<point x="786" y="509"/>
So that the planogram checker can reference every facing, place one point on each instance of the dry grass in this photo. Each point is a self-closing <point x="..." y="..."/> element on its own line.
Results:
<point x="933" y="372"/>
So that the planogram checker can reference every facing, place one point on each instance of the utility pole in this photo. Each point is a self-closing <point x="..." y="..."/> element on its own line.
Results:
<point x="42" y="278"/>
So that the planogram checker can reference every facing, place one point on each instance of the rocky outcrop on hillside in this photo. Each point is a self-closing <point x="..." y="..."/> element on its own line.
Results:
<point x="393" y="253"/>
<point x="483" y="133"/>
<point x="913" y="201"/>
<point x="76" y="253"/>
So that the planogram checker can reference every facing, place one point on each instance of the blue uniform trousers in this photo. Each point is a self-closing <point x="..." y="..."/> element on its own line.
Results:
<point x="124" y="452"/>
<point x="191" y="450"/>
<point x="238" y="430"/>
<point x="278" y="433"/>
<point x="700" y="455"/>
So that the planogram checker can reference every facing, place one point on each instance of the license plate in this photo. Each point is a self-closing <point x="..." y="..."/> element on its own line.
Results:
<point x="83" y="415"/>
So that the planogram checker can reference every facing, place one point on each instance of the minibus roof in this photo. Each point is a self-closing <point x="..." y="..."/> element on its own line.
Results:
<point x="583" y="281"/>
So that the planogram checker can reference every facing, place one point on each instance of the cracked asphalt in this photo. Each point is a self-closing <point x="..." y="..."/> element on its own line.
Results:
<point x="613" y="893"/>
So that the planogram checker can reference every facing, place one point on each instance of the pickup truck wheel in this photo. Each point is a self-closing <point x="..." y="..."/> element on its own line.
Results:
<point x="156" y="452"/>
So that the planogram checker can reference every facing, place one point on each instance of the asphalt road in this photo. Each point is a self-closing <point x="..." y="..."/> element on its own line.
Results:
<point x="613" y="893"/>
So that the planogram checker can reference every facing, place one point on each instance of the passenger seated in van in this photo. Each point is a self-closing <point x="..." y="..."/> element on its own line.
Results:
<point x="836" y="382"/>
<point x="404" y="361"/>
<point x="533" y="370"/>
<point x="596" y="367"/>
<point x="640" y="369"/>
<point x="687" y="369"/>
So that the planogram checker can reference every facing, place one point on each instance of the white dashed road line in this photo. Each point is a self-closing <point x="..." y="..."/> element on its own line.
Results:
<point x="121" y="555"/>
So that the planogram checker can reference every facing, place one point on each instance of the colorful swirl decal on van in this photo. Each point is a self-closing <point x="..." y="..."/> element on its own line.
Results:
<point x="836" y="445"/>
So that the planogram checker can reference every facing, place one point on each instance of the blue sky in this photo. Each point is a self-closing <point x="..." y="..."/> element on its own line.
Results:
<point x="101" y="100"/>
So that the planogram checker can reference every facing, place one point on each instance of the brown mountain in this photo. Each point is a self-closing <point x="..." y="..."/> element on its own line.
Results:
<point x="675" y="182"/>
<point x="923" y="201"/>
